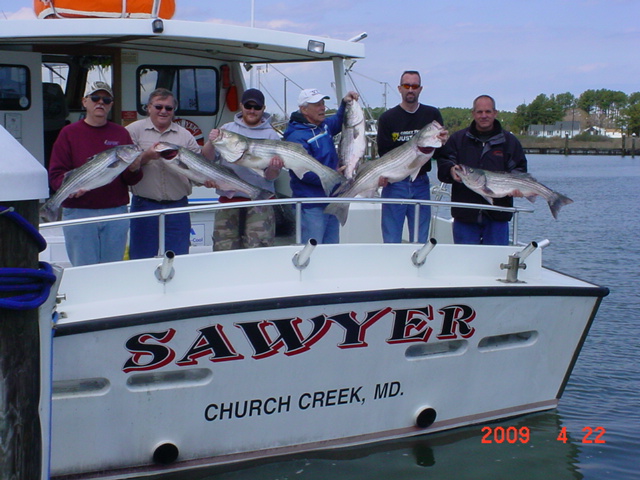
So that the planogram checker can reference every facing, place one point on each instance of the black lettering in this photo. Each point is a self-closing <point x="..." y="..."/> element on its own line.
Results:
<point x="354" y="334"/>
<point x="211" y="341"/>
<point x="456" y="317"/>
<point x="355" y="397"/>
<point x="140" y="350"/>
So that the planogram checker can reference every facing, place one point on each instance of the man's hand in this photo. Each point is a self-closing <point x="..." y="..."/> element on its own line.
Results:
<point x="79" y="193"/>
<point x="454" y="173"/>
<point x="351" y="96"/>
<point x="213" y="135"/>
<point x="273" y="170"/>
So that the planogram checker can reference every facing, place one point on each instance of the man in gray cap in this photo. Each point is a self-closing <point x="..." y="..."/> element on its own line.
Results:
<point x="310" y="127"/>
<point x="247" y="227"/>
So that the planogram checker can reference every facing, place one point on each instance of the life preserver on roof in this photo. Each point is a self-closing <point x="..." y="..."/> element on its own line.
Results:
<point x="104" y="8"/>
<point x="192" y="127"/>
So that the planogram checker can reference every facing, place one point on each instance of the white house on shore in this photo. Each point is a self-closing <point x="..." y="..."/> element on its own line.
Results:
<point x="558" y="129"/>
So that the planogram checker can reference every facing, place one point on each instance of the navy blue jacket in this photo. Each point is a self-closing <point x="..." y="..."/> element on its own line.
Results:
<point x="317" y="140"/>
<point x="501" y="152"/>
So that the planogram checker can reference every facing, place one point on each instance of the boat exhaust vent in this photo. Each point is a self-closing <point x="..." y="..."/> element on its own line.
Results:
<point x="165" y="454"/>
<point x="425" y="417"/>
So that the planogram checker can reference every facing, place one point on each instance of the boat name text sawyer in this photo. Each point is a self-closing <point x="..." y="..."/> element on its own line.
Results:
<point x="151" y="350"/>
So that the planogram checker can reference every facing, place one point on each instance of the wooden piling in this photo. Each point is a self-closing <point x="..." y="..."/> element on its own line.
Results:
<point x="20" y="427"/>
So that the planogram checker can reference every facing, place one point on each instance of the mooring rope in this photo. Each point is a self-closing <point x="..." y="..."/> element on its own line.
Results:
<point x="28" y="288"/>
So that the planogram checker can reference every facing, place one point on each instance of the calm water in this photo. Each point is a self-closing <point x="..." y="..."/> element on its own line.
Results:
<point x="596" y="239"/>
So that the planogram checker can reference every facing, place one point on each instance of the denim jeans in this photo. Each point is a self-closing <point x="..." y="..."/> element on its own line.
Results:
<point x="393" y="215"/>
<point x="143" y="242"/>
<point x="314" y="223"/>
<point x="92" y="243"/>
<point x="486" y="232"/>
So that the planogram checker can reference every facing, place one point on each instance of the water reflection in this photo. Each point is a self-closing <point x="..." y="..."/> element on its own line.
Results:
<point x="460" y="454"/>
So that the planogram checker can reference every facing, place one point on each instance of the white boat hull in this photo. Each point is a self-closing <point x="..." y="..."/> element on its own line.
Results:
<point x="251" y="357"/>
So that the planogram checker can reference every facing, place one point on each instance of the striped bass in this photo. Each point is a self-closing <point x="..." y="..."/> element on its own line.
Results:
<point x="100" y="170"/>
<point x="198" y="169"/>
<point x="353" y="140"/>
<point x="500" y="184"/>
<point x="395" y="165"/>
<point x="257" y="153"/>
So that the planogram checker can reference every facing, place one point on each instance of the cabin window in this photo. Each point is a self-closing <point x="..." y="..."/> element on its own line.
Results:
<point x="195" y="88"/>
<point x="15" y="87"/>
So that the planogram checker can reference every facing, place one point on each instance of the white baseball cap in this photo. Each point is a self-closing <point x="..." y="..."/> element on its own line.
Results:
<point x="96" y="87"/>
<point x="311" y="95"/>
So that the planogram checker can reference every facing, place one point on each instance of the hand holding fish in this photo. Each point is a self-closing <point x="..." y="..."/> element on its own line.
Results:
<point x="273" y="170"/>
<point x="444" y="136"/>
<point x="454" y="173"/>
<point x="77" y="194"/>
<point x="351" y="96"/>
<point x="213" y="135"/>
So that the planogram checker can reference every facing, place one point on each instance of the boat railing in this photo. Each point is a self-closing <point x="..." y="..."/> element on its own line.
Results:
<point x="296" y="205"/>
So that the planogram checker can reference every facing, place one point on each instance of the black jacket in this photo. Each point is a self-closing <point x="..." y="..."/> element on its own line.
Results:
<point x="500" y="152"/>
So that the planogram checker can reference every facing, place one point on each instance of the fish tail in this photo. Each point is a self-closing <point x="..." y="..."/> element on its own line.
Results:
<point x="556" y="201"/>
<point x="264" y="195"/>
<point x="331" y="181"/>
<point x="49" y="212"/>
<point x="340" y="210"/>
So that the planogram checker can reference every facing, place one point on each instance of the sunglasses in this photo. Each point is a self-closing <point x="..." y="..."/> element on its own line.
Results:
<point x="413" y="86"/>
<point x="252" y="106"/>
<point x="168" y="108"/>
<point x="97" y="98"/>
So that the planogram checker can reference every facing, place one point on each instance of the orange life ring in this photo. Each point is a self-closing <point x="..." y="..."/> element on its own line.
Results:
<point x="192" y="127"/>
<point x="104" y="8"/>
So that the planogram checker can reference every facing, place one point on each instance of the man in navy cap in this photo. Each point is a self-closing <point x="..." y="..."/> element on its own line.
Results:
<point x="253" y="226"/>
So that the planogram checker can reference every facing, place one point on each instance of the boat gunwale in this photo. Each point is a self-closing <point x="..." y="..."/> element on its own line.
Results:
<point x="280" y="303"/>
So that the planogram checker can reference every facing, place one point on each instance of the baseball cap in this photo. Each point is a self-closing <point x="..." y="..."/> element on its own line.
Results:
<point x="96" y="87"/>
<point x="311" y="95"/>
<point x="253" y="95"/>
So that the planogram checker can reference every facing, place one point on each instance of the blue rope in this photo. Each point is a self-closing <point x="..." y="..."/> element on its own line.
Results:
<point x="29" y="287"/>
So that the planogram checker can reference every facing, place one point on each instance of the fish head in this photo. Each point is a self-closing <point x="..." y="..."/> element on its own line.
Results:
<point x="167" y="150"/>
<point x="428" y="139"/>
<point x="232" y="146"/>
<point x="354" y="115"/>
<point x="472" y="177"/>
<point x="128" y="153"/>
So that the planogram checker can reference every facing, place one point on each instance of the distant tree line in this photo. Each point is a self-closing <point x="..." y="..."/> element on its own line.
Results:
<point x="601" y="108"/>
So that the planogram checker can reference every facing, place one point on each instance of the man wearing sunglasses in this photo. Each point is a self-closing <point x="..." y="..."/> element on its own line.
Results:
<point x="160" y="188"/>
<point x="395" y="127"/>
<point x="76" y="144"/>
<point x="251" y="227"/>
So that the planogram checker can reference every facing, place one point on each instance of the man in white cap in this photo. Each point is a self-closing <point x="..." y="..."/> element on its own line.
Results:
<point x="314" y="131"/>
<point x="78" y="142"/>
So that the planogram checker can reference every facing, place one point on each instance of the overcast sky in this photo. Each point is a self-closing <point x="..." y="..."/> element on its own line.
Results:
<point x="510" y="49"/>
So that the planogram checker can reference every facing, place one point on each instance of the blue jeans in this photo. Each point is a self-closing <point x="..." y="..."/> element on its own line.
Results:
<point x="92" y="243"/>
<point x="314" y="223"/>
<point x="393" y="215"/>
<point x="143" y="241"/>
<point x="486" y="232"/>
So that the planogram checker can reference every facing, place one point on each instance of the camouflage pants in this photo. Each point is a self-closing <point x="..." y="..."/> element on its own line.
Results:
<point x="238" y="228"/>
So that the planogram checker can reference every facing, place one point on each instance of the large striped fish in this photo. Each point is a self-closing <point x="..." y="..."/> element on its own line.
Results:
<point x="99" y="170"/>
